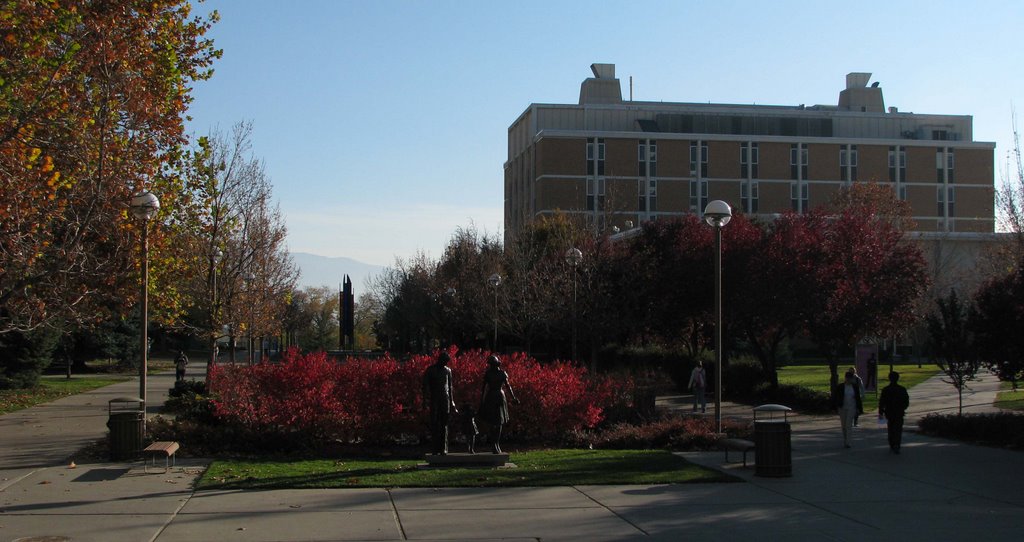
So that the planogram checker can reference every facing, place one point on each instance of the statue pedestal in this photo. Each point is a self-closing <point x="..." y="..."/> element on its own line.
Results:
<point x="467" y="460"/>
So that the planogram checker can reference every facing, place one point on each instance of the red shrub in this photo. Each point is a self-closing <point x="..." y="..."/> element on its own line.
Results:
<point x="377" y="401"/>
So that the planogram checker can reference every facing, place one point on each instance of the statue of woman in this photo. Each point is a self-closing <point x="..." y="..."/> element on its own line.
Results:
<point x="493" y="406"/>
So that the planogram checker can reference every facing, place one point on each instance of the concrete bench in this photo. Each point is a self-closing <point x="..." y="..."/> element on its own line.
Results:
<point x="165" y="448"/>
<point x="739" y="445"/>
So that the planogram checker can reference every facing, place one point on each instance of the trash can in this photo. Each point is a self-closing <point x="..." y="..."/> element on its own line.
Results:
<point x="127" y="423"/>
<point x="773" y="453"/>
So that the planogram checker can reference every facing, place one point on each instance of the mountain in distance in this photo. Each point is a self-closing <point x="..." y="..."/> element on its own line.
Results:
<point x="325" y="271"/>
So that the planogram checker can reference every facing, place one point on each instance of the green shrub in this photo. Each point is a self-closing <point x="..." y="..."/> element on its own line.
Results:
<point x="798" y="398"/>
<point x="1002" y="429"/>
<point x="187" y="400"/>
<point x="24" y="355"/>
<point x="743" y="377"/>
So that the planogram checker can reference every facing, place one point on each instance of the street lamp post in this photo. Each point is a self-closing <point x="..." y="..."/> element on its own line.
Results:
<point x="249" y="279"/>
<point x="144" y="206"/>
<point x="495" y="281"/>
<point x="573" y="256"/>
<point x="215" y="258"/>
<point x="717" y="214"/>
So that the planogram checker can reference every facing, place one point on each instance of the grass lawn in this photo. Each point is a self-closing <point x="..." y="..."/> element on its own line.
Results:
<point x="535" y="468"/>
<point x="1009" y="399"/>
<point x="50" y="389"/>
<point x="816" y="377"/>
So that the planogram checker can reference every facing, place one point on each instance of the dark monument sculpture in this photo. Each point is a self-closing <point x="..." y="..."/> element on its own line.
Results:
<point x="347" y="337"/>
<point x="437" y="395"/>
<point x="493" y="406"/>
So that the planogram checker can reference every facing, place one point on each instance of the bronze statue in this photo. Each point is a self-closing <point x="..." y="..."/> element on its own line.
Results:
<point x="493" y="406"/>
<point x="438" y="394"/>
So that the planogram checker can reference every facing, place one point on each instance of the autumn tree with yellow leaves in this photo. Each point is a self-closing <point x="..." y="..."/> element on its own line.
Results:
<point x="93" y="96"/>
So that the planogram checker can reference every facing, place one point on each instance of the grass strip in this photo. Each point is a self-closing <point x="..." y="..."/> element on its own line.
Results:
<point x="534" y="468"/>
<point x="1008" y="399"/>
<point x="816" y="377"/>
<point x="51" y="389"/>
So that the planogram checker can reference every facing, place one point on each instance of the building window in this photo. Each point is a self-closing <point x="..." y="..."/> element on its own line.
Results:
<point x="848" y="163"/>
<point x="702" y="154"/>
<point x="944" y="162"/>
<point x="898" y="164"/>
<point x="595" y="156"/>
<point x="647" y="158"/>
<point x="595" y="194"/>
<point x="902" y="192"/>
<point x="748" y="196"/>
<point x="798" y="161"/>
<point x="748" y="160"/>
<point x="799" y="197"/>
<point x="698" y="196"/>
<point x="947" y="203"/>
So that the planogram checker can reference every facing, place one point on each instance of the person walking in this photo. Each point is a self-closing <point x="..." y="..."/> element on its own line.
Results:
<point x="180" y="363"/>
<point x="847" y="400"/>
<point x="892" y="406"/>
<point x="860" y="384"/>
<point x="698" y="383"/>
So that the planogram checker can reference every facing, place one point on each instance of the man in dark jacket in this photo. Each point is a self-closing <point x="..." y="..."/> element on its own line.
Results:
<point x="892" y="405"/>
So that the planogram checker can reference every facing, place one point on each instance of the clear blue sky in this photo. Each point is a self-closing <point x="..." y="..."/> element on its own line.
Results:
<point x="382" y="124"/>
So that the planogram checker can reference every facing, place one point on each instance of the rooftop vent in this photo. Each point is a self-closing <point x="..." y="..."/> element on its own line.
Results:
<point x="603" y="88"/>
<point x="857" y="79"/>
<point x="603" y="71"/>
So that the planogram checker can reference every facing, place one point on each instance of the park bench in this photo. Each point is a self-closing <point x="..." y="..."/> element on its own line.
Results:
<point x="165" y="448"/>
<point x="739" y="445"/>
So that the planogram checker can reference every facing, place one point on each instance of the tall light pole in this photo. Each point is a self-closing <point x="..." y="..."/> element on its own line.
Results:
<point x="215" y="259"/>
<point x="144" y="206"/>
<point x="717" y="214"/>
<point x="495" y="281"/>
<point x="249" y="279"/>
<point x="573" y="256"/>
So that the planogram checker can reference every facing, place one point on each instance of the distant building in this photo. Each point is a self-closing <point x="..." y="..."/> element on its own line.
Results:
<point x="613" y="161"/>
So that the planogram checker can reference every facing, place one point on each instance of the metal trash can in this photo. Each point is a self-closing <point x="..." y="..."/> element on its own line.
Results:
<point x="773" y="454"/>
<point x="127" y="424"/>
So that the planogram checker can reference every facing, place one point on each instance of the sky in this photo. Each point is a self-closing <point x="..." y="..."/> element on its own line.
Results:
<point x="383" y="124"/>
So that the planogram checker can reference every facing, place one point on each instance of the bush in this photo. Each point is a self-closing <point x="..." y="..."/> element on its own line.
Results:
<point x="1002" y="429"/>
<point x="798" y="398"/>
<point x="187" y="400"/>
<point x="24" y="355"/>
<point x="671" y="432"/>
<point x="312" y="399"/>
<point x="745" y="381"/>
<point x="743" y="377"/>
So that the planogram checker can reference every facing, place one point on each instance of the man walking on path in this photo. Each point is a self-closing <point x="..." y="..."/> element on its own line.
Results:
<point x="180" y="363"/>
<point x="698" y="381"/>
<point x="892" y="405"/>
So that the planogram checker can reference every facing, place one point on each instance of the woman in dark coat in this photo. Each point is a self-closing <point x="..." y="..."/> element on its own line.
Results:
<point x="493" y="406"/>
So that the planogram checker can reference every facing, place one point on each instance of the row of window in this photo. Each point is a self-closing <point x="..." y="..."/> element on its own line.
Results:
<point x="799" y="194"/>
<point x="799" y="159"/>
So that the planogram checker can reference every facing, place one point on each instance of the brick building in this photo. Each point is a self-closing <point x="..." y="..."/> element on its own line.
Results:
<point x="617" y="162"/>
<point x="623" y="160"/>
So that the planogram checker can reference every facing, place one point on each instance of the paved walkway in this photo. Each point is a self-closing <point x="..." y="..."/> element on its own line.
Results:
<point x="935" y="490"/>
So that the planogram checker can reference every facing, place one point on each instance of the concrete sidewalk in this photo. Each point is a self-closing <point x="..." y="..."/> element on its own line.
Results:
<point x="935" y="490"/>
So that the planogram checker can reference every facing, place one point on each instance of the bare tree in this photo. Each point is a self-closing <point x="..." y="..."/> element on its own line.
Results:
<point x="1010" y="196"/>
<point x="952" y="343"/>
